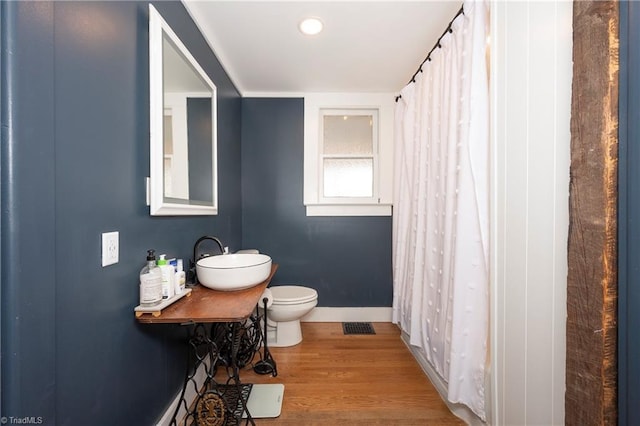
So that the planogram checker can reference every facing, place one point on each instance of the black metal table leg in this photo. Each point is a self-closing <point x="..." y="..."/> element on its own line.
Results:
<point x="222" y="399"/>
<point x="201" y="350"/>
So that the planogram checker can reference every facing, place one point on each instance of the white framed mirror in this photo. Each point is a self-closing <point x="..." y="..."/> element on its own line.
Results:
<point x="183" y="138"/>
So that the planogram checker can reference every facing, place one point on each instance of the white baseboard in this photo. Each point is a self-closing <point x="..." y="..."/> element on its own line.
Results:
<point x="324" y="314"/>
<point x="459" y="410"/>
<point x="190" y="396"/>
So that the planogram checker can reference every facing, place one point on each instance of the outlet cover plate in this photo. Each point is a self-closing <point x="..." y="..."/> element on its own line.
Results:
<point x="110" y="248"/>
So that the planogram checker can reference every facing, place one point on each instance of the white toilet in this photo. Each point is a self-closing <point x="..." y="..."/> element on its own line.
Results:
<point x="290" y="303"/>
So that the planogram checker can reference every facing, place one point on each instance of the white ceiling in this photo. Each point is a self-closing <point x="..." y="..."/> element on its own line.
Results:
<point x="366" y="46"/>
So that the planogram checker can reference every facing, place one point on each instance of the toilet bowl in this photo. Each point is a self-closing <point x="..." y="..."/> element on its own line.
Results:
<point x="290" y="303"/>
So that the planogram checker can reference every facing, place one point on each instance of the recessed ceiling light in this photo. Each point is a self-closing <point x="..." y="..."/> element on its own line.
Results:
<point x="310" y="26"/>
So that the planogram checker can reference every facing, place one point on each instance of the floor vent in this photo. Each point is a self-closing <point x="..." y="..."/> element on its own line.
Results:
<point x="358" y="328"/>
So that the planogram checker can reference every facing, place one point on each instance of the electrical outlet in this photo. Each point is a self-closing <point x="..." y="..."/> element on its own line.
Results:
<point x="110" y="248"/>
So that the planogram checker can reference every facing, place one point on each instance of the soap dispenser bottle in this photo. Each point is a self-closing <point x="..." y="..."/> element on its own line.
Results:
<point x="150" y="282"/>
<point x="168" y="275"/>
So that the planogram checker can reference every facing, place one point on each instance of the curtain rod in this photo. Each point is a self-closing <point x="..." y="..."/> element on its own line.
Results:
<point x="437" y="45"/>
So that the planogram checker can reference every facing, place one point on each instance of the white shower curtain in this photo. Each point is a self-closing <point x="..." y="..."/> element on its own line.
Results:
<point x="440" y="219"/>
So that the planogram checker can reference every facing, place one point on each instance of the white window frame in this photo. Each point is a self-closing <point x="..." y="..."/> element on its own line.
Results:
<point x="373" y="113"/>
<point x="380" y="203"/>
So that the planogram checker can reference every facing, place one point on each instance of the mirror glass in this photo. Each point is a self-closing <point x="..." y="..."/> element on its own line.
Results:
<point x="183" y="177"/>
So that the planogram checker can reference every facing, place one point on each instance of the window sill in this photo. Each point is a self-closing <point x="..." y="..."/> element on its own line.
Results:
<point x="349" y="210"/>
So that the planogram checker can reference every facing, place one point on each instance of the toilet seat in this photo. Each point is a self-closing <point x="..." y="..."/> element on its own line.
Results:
<point x="292" y="294"/>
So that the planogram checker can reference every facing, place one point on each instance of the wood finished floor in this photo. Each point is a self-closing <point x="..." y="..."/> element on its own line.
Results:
<point x="336" y="379"/>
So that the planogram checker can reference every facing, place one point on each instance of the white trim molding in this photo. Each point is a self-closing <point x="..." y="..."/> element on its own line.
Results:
<point x="190" y="396"/>
<point x="380" y="203"/>
<point x="327" y="314"/>
<point x="459" y="410"/>
<point x="531" y="140"/>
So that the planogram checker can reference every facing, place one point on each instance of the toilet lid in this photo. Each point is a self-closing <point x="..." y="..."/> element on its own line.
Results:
<point x="292" y="294"/>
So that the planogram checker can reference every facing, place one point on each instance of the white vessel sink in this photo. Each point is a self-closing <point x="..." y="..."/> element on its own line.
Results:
<point x="237" y="271"/>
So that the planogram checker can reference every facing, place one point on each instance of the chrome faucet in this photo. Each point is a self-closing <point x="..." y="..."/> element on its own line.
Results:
<point x="197" y="255"/>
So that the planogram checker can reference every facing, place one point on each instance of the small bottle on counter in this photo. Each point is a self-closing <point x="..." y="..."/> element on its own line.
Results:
<point x="150" y="282"/>
<point x="180" y="278"/>
<point x="168" y="275"/>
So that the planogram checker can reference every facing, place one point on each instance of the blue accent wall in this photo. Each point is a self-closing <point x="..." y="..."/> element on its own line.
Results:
<point x="346" y="259"/>
<point x="628" y="214"/>
<point x="74" y="122"/>
<point x="75" y="153"/>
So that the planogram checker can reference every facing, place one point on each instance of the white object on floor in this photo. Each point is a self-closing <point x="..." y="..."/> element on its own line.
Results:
<point x="265" y="401"/>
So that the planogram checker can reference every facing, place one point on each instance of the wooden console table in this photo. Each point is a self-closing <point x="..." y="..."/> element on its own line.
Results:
<point x="228" y="312"/>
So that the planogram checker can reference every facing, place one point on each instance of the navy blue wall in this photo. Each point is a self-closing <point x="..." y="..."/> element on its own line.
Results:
<point x="75" y="132"/>
<point x="628" y="214"/>
<point x="75" y="138"/>
<point x="346" y="259"/>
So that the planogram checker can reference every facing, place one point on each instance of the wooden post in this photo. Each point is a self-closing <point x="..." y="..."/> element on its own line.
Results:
<point x="591" y="375"/>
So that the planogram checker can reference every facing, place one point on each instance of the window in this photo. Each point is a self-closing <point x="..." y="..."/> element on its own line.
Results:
<point x="348" y="154"/>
